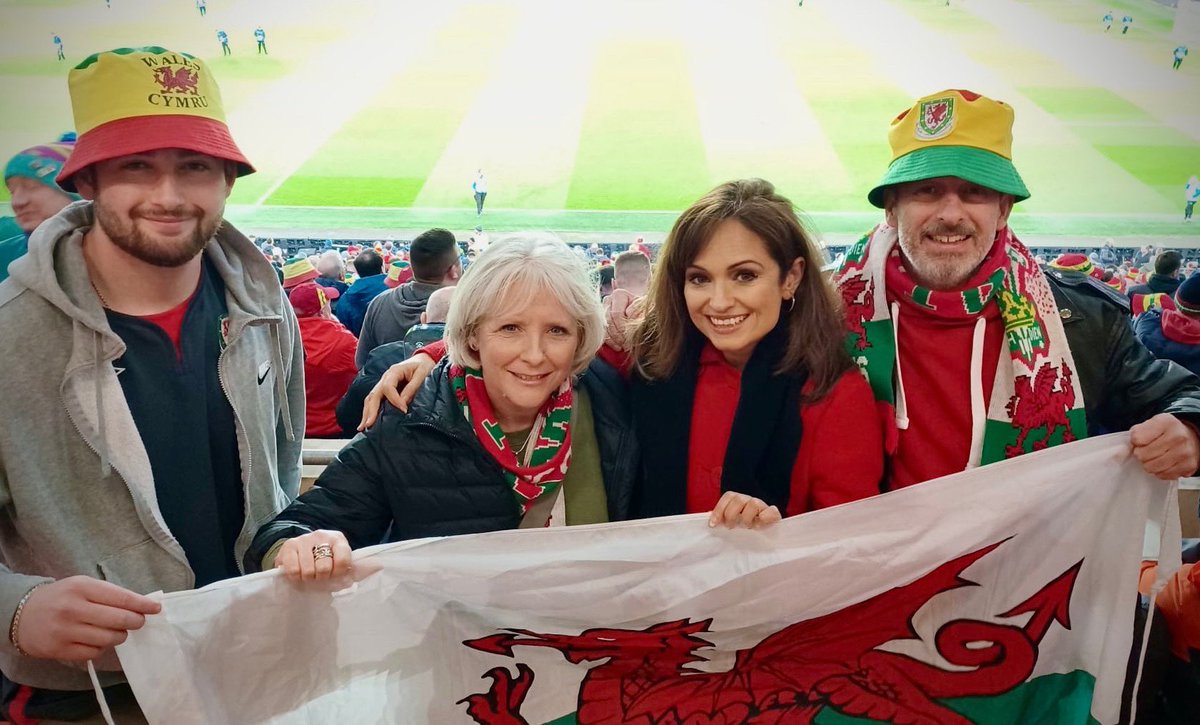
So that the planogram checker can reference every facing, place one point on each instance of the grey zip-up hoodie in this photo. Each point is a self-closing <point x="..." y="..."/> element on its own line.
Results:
<point x="77" y="494"/>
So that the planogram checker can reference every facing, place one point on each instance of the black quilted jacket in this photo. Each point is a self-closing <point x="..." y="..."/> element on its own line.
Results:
<point x="425" y="473"/>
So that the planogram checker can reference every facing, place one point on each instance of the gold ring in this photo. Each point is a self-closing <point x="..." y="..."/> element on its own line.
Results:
<point x="322" y="551"/>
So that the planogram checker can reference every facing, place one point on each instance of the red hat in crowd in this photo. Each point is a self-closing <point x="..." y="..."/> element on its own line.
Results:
<point x="399" y="272"/>
<point x="309" y="297"/>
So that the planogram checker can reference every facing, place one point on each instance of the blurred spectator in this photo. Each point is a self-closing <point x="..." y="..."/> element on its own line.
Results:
<point x="1108" y="255"/>
<point x="434" y="259"/>
<point x="640" y="246"/>
<point x="1144" y="255"/>
<point x="433" y="319"/>
<point x="1175" y="334"/>
<point x="631" y="279"/>
<point x="479" y="240"/>
<point x="371" y="282"/>
<point x="36" y="196"/>
<point x="631" y="272"/>
<point x="328" y="357"/>
<point x="1179" y="605"/>
<point x="607" y="274"/>
<point x="333" y="272"/>
<point x="1165" y="278"/>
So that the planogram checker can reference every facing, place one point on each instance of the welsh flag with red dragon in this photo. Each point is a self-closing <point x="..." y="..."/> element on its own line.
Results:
<point x="984" y="597"/>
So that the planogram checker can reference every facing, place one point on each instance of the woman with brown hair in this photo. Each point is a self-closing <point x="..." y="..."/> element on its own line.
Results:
<point x="744" y="399"/>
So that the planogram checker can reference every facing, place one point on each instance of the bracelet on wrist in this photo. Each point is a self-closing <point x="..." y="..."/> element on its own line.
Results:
<point x="16" y="620"/>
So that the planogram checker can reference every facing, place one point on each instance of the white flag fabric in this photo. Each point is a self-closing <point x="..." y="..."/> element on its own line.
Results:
<point x="1003" y="594"/>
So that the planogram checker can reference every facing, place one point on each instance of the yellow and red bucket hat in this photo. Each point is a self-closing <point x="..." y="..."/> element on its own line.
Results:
<point x="953" y="133"/>
<point x="134" y="100"/>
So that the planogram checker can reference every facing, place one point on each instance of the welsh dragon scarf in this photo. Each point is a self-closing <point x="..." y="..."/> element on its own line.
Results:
<point x="1036" y="400"/>
<point x="547" y="452"/>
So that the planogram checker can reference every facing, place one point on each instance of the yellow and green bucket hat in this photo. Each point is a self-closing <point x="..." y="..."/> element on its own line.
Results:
<point x="953" y="133"/>
<point x="134" y="100"/>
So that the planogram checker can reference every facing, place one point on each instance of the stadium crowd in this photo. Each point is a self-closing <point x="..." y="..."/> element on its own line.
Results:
<point x="179" y="366"/>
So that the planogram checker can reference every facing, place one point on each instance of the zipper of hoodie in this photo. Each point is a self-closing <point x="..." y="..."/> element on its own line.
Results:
<point x="240" y="431"/>
<point x="176" y="549"/>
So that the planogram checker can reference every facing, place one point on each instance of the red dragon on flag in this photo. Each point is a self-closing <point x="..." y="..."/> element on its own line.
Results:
<point x="832" y="661"/>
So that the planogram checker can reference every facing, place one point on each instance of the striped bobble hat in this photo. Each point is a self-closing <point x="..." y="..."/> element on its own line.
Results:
<point x="298" y="270"/>
<point x="1187" y="297"/>
<point x="42" y="163"/>
<point x="1077" y="263"/>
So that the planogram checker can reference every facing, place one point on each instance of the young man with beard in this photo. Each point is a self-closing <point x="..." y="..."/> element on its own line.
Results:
<point x="956" y="326"/>
<point x="152" y="414"/>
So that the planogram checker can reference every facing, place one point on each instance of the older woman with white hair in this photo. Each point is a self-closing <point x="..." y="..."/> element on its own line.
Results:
<point x="513" y="429"/>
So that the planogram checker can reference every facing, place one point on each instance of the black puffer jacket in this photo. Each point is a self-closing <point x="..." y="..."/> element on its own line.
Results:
<point x="425" y="473"/>
<point x="1122" y="382"/>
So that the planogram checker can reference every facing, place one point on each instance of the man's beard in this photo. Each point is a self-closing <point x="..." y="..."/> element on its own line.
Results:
<point x="125" y="233"/>
<point x="941" y="272"/>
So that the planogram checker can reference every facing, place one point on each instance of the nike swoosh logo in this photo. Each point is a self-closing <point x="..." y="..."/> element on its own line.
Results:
<point x="263" y="370"/>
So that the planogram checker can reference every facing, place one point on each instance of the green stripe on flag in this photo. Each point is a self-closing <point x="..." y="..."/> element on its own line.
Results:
<point x="1047" y="700"/>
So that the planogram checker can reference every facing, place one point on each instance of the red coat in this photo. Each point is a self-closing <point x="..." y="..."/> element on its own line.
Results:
<point x="328" y="370"/>
<point x="841" y="447"/>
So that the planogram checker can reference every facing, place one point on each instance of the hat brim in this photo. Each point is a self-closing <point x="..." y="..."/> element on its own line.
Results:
<point x="966" y="162"/>
<point x="140" y="134"/>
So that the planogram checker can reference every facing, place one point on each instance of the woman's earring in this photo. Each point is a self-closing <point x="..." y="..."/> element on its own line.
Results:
<point x="792" y="303"/>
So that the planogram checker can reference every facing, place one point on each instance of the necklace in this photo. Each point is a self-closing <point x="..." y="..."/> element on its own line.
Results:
<point x="525" y="452"/>
<point x="103" y="302"/>
<point x="517" y="451"/>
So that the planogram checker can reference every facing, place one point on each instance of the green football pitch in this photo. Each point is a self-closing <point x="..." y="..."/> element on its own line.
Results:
<point x="612" y="116"/>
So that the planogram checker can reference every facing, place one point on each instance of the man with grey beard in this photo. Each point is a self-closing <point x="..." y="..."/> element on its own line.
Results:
<point x="977" y="352"/>
<point x="980" y="354"/>
<point x="152" y="406"/>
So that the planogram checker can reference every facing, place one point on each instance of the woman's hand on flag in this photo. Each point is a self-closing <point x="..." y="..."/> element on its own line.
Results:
<point x="737" y="510"/>
<point x="321" y="558"/>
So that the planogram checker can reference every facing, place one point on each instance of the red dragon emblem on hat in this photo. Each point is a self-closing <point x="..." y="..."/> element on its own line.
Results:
<point x="833" y="661"/>
<point x="177" y="80"/>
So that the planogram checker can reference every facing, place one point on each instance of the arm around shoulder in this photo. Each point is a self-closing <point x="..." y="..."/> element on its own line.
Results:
<point x="348" y="497"/>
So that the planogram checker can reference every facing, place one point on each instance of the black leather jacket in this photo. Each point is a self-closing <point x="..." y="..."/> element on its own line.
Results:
<point x="426" y="474"/>
<point x="1123" y="383"/>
